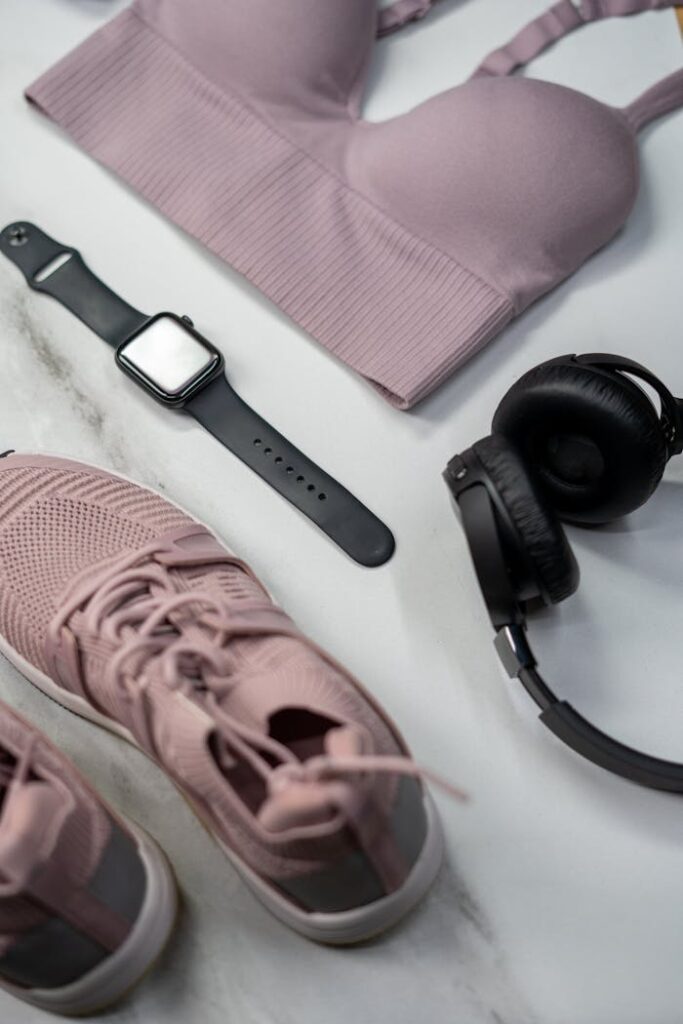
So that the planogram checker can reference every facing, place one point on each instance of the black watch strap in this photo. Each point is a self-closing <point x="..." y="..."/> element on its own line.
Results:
<point x="72" y="283"/>
<point x="217" y="407"/>
<point x="331" y="507"/>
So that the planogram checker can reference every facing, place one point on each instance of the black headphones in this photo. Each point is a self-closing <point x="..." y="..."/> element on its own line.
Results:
<point x="575" y="439"/>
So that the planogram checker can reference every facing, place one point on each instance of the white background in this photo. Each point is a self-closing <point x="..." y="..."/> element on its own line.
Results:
<point x="562" y="899"/>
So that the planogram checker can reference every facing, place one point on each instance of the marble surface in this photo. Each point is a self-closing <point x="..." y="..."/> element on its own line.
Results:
<point x="561" y="899"/>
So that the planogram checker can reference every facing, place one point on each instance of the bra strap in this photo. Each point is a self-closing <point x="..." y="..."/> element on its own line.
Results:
<point x="566" y="16"/>
<point x="533" y="39"/>
<point x="663" y="98"/>
<point x="400" y="13"/>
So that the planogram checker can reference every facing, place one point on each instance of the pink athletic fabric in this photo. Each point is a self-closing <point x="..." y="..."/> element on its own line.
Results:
<point x="128" y="603"/>
<point x="404" y="246"/>
<point x="53" y="831"/>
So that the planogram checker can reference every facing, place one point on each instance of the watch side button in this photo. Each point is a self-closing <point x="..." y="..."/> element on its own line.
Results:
<point x="187" y="320"/>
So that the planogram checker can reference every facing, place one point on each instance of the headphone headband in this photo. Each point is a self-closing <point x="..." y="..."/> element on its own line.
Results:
<point x="672" y="408"/>
<point x="576" y="731"/>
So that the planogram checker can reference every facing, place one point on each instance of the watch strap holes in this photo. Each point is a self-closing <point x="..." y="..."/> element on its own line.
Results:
<point x="288" y="469"/>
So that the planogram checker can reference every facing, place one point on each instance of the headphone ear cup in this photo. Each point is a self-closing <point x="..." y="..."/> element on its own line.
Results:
<point x="591" y="436"/>
<point x="540" y="533"/>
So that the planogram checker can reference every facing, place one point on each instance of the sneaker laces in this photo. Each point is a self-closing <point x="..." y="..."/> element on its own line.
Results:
<point x="187" y="635"/>
<point x="14" y="771"/>
<point x="27" y="799"/>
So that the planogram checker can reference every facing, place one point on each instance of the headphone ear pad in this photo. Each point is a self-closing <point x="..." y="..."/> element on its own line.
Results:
<point x="539" y="530"/>
<point x="591" y="437"/>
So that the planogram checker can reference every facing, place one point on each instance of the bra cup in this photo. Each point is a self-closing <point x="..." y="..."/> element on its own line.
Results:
<point x="303" y="54"/>
<point x="519" y="180"/>
<point x="593" y="438"/>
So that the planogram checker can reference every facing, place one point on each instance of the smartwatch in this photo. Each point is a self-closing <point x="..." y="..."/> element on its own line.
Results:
<point x="169" y="359"/>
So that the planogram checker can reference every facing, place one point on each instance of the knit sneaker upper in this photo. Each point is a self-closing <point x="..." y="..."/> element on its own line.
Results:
<point x="124" y="600"/>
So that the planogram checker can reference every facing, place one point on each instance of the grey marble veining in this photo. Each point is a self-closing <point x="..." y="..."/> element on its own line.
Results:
<point x="560" y="899"/>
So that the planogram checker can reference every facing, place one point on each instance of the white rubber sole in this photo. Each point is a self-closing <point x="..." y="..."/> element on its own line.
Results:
<point x="344" y="928"/>
<point x="114" y="977"/>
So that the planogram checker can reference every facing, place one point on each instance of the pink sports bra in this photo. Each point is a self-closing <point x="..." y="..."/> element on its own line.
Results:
<point x="403" y="246"/>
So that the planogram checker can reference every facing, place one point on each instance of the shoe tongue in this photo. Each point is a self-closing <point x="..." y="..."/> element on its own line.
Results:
<point x="345" y="741"/>
<point x="30" y="824"/>
<point x="314" y="802"/>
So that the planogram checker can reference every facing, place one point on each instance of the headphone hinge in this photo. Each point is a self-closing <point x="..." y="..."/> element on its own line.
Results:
<point x="513" y="649"/>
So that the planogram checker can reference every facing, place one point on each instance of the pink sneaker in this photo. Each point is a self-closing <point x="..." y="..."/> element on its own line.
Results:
<point x="126" y="610"/>
<point x="87" y="901"/>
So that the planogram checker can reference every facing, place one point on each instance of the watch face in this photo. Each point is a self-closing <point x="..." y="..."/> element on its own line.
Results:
<point x="169" y="359"/>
